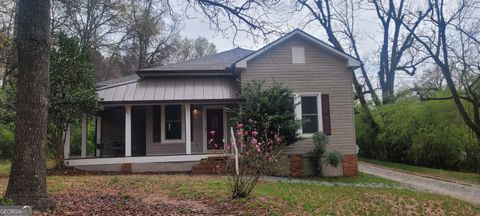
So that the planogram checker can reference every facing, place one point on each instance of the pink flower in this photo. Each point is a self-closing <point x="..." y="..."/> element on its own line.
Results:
<point x="250" y="120"/>
<point x="240" y="125"/>
<point x="254" y="141"/>
<point x="254" y="133"/>
<point x="212" y="132"/>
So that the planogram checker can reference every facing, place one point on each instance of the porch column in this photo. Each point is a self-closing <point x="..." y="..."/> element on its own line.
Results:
<point x="128" y="131"/>
<point x="84" y="136"/>
<point x="99" y="134"/>
<point x="66" y="144"/>
<point x="188" y="132"/>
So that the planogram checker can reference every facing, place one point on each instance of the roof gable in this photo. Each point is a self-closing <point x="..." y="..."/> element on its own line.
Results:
<point x="351" y="62"/>
<point x="215" y="62"/>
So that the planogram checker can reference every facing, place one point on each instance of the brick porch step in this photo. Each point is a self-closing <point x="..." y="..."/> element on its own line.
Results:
<point x="210" y="165"/>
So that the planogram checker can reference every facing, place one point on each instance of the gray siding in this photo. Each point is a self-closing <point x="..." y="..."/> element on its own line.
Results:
<point x="157" y="148"/>
<point x="321" y="72"/>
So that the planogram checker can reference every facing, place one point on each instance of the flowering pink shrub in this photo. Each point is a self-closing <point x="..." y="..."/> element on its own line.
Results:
<point x="257" y="156"/>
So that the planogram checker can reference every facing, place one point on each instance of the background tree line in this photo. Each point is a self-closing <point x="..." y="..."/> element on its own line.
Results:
<point x="121" y="35"/>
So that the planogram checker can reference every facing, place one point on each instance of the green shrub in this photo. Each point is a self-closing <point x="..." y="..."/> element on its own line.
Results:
<point x="334" y="158"/>
<point x="6" y="142"/>
<point x="273" y="109"/>
<point x="320" y="141"/>
<point x="427" y="133"/>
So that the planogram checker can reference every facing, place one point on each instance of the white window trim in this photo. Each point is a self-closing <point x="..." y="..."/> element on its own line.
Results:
<point x="162" y="125"/>
<point x="298" y="110"/>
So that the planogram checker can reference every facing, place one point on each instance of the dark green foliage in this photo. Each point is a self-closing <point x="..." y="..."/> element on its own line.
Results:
<point x="6" y="142"/>
<point x="73" y="90"/>
<point x="7" y="104"/>
<point x="76" y="138"/>
<point x="320" y="141"/>
<point x="427" y="133"/>
<point x="7" y="119"/>
<point x="272" y="107"/>
<point x="334" y="158"/>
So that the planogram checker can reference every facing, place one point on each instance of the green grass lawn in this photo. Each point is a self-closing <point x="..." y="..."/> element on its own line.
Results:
<point x="439" y="173"/>
<point x="78" y="194"/>
<point x="362" y="178"/>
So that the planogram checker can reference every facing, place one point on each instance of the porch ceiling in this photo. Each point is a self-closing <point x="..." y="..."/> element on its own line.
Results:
<point x="170" y="89"/>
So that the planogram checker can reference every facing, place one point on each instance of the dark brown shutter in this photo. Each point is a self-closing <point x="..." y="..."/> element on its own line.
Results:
<point x="156" y="123"/>
<point x="327" y="128"/>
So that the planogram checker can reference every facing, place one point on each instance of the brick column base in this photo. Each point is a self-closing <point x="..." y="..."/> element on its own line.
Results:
<point x="126" y="168"/>
<point x="350" y="165"/>
<point x="296" y="165"/>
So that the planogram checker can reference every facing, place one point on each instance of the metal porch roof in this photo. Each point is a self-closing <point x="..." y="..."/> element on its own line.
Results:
<point x="170" y="89"/>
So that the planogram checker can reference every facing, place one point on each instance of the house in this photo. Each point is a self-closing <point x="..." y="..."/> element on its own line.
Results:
<point x="157" y="120"/>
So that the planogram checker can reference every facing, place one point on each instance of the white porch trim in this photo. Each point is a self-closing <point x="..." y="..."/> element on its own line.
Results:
<point x="98" y="124"/>
<point x="144" y="159"/>
<point x="188" y="130"/>
<point x="128" y="131"/>
<point x="84" y="136"/>
<point x="66" y="145"/>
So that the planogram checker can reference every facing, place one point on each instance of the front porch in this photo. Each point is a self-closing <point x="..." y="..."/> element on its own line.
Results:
<point x="154" y="133"/>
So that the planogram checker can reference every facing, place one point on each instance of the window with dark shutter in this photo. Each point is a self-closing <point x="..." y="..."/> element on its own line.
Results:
<point x="327" y="128"/>
<point x="309" y="114"/>
<point x="156" y="133"/>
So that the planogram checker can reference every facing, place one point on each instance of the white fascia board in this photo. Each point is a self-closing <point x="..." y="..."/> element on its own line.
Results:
<point x="143" y="159"/>
<point x="351" y="62"/>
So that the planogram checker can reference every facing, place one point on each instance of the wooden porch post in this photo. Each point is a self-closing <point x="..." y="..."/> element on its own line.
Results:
<point x="128" y="131"/>
<point x="66" y="144"/>
<point x="84" y="136"/>
<point x="188" y="132"/>
<point x="99" y="134"/>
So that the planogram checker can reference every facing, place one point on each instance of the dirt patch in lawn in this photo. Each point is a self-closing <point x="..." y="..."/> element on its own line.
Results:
<point x="114" y="202"/>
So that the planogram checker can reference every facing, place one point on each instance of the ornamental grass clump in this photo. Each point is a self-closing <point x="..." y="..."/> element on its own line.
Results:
<point x="254" y="154"/>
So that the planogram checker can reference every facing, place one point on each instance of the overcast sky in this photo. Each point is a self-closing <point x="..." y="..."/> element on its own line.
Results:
<point x="367" y="28"/>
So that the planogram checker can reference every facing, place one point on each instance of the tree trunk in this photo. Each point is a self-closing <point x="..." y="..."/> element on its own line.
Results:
<point x="27" y="182"/>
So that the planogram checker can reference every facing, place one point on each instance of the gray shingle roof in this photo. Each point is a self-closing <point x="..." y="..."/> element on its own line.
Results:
<point x="218" y="61"/>
<point x="115" y="81"/>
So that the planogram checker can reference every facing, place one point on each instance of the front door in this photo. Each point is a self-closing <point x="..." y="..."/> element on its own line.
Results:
<point x="214" y="129"/>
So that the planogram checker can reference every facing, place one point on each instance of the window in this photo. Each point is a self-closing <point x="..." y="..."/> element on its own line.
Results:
<point x="156" y="123"/>
<point x="309" y="114"/>
<point x="298" y="55"/>
<point x="173" y="122"/>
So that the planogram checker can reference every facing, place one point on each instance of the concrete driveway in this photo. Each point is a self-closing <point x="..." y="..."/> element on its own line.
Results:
<point x="469" y="193"/>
